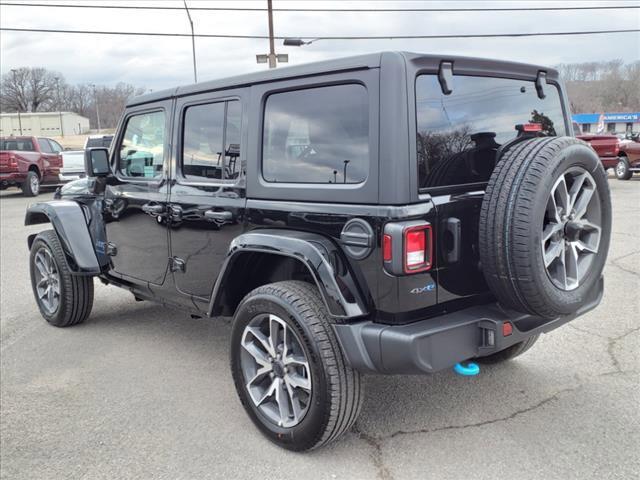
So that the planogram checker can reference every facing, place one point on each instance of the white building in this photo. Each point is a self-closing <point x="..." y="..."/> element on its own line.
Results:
<point x="48" y="124"/>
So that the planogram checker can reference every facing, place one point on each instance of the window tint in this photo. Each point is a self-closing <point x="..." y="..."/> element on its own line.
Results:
<point x="205" y="134"/>
<point x="44" y="145"/>
<point x="141" y="153"/>
<point x="18" y="144"/>
<point x="318" y="135"/>
<point x="458" y="134"/>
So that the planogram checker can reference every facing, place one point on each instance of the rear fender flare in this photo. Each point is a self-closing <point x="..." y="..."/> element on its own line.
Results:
<point x="322" y="258"/>
<point x="70" y="224"/>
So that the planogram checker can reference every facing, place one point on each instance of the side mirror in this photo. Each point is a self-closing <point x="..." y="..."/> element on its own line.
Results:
<point x="96" y="162"/>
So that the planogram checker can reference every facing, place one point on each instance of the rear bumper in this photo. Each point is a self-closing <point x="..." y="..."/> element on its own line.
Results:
<point x="64" y="177"/>
<point x="12" y="178"/>
<point x="438" y="343"/>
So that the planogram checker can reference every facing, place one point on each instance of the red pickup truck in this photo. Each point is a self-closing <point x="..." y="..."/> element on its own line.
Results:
<point x="29" y="162"/>
<point x="621" y="155"/>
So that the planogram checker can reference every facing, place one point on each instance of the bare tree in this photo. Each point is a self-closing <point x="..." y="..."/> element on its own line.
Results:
<point x="14" y="90"/>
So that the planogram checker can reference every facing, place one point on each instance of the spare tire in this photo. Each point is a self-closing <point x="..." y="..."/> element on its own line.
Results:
<point x="545" y="226"/>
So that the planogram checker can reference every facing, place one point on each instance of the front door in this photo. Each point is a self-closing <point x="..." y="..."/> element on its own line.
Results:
<point x="207" y="197"/>
<point x="136" y="206"/>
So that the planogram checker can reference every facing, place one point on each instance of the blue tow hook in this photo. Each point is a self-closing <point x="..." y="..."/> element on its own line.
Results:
<point x="467" y="371"/>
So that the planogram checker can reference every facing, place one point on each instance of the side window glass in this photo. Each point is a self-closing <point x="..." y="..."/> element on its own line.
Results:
<point x="317" y="135"/>
<point x="211" y="141"/>
<point x="44" y="145"/>
<point x="55" y="146"/>
<point x="141" y="152"/>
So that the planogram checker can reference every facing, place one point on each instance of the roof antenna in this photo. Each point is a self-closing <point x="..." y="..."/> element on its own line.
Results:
<point x="445" y="77"/>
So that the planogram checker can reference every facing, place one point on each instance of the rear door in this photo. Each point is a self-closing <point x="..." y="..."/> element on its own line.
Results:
<point x="51" y="160"/>
<point x="207" y="199"/>
<point x="458" y="136"/>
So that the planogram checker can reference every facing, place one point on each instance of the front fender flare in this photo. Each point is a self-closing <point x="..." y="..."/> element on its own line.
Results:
<point x="337" y="285"/>
<point x="70" y="224"/>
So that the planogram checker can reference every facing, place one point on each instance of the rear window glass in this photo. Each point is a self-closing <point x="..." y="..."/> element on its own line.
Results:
<point x="20" y="145"/>
<point x="458" y="134"/>
<point x="317" y="135"/>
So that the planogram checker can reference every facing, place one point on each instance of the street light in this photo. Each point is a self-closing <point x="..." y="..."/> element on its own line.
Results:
<point x="14" y="71"/>
<point x="57" y="79"/>
<point x="297" y="42"/>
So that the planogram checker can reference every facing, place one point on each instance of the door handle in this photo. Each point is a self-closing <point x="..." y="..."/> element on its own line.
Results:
<point x="152" y="209"/>
<point x="218" y="216"/>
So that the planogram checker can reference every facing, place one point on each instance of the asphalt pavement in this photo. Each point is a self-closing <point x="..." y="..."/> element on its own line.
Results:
<point x="142" y="391"/>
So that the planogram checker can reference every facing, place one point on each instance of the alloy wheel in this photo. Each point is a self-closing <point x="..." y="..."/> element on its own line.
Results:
<point x="276" y="370"/>
<point x="35" y="184"/>
<point x="571" y="229"/>
<point x="47" y="280"/>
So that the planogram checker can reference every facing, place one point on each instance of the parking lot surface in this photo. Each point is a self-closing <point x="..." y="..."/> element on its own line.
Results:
<point x="142" y="391"/>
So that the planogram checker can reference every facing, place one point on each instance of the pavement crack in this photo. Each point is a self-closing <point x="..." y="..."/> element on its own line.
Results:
<point x="506" y="418"/>
<point x="378" y="461"/>
<point x="611" y="345"/>
<point x="624" y="268"/>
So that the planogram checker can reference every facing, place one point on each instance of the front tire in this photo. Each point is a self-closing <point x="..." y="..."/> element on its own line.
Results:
<point x="63" y="299"/>
<point x="31" y="185"/>
<point x="288" y="368"/>
<point x="623" y="170"/>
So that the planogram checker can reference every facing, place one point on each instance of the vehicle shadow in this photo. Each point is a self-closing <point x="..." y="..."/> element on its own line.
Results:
<point x="393" y="405"/>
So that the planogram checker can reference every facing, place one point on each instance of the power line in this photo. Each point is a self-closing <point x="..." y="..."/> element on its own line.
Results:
<point x="362" y="10"/>
<point x="376" y="37"/>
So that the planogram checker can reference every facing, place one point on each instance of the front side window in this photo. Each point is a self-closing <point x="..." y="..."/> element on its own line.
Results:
<point x="317" y="135"/>
<point x="211" y="141"/>
<point x="141" y="153"/>
<point x="44" y="145"/>
<point x="458" y="134"/>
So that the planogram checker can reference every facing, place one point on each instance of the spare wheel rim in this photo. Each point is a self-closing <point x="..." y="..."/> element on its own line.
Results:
<point x="572" y="228"/>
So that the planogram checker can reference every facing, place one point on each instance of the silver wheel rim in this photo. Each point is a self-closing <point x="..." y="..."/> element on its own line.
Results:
<point x="571" y="229"/>
<point x="276" y="370"/>
<point x="47" y="280"/>
<point x="620" y="169"/>
<point x="35" y="184"/>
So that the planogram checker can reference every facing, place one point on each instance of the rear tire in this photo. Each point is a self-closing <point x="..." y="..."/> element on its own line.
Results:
<point x="623" y="170"/>
<point x="31" y="185"/>
<point x="511" y="352"/>
<point x="545" y="226"/>
<point x="63" y="299"/>
<point x="333" y="400"/>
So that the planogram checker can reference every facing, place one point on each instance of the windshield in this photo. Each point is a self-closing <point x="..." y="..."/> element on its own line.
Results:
<point x="458" y="134"/>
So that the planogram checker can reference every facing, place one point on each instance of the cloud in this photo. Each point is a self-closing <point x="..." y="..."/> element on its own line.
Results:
<point x="159" y="63"/>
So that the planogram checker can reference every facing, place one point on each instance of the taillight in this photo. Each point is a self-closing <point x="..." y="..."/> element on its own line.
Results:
<point x="417" y="248"/>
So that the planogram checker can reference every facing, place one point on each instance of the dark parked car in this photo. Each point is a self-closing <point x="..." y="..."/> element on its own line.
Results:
<point x="29" y="162"/>
<point x="390" y="213"/>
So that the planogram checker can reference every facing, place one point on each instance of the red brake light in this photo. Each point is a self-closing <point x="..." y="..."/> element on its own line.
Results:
<point x="507" y="329"/>
<point x="532" y="127"/>
<point x="387" y="254"/>
<point x="417" y="248"/>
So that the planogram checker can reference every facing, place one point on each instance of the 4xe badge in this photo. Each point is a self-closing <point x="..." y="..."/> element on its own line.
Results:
<point x="429" y="287"/>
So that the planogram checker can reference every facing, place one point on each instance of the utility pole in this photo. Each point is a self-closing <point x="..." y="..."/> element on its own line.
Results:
<point x="57" y="79"/>
<point x="193" y="43"/>
<point x="272" y="58"/>
<point x="272" y="49"/>
<point x="95" y="99"/>
<point x="13" y="71"/>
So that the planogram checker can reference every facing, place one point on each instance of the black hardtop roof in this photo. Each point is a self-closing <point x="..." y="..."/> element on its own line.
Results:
<point x="371" y="60"/>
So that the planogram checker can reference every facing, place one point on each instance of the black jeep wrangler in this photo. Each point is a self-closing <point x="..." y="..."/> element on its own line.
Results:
<point x="389" y="213"/>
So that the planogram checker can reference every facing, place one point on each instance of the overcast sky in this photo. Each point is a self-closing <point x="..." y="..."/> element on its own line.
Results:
<point x="157" y="63"/>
